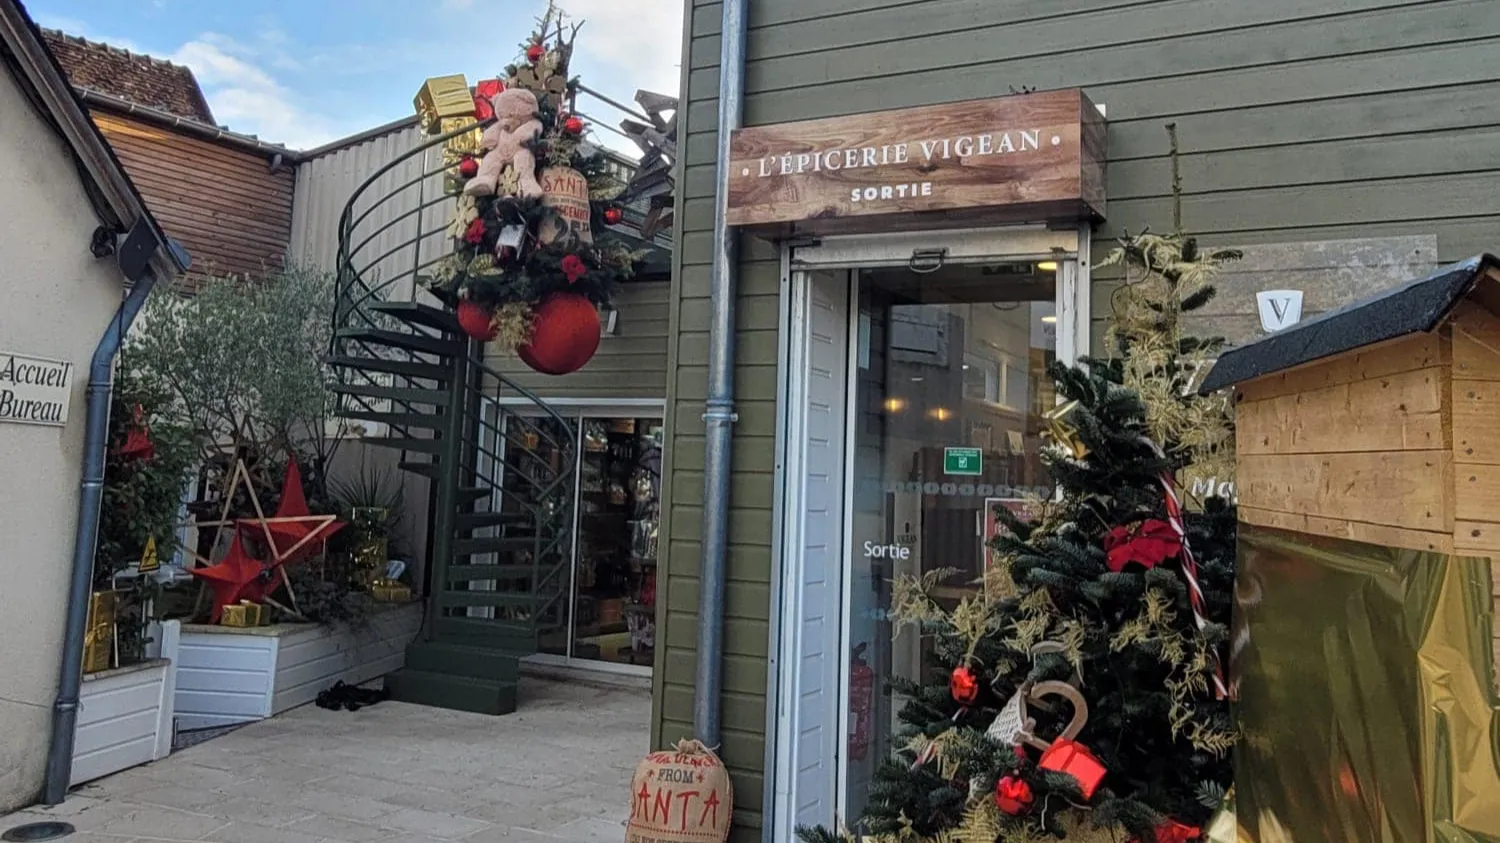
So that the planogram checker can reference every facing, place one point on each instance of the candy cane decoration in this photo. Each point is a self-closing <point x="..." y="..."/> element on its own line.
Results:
<point x="1189" y="565"/>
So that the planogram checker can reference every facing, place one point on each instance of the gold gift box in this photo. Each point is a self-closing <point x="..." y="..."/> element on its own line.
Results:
<point x="442" y="98"/>
<point x="245" y="614"/>
<point x="99" y="639"/>
<point x="390" y="591"/>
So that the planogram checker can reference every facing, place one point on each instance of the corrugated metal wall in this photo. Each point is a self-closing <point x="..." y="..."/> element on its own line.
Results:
<point x="325" y="185"/>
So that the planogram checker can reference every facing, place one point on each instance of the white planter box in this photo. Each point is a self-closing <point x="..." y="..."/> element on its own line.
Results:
<point x="227" y="675"/>
<point x="125" y="715"/>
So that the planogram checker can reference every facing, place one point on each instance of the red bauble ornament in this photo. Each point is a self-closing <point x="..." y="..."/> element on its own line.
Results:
<point x="963" y="685"/>
<point x="1013" y="795"/>
<point x="573" y="125"/>
<point x="476" y="321"/>
<point x="468" y="167"/>
<point x="564" y="335"/>
<point x="1148" y="545"/>
<point x="574" y="268"/>
<point x="535" y="52"/>
<point x="613" y="216"/>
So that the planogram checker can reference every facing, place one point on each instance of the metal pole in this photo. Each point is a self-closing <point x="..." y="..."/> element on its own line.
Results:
<point x="719" y="417"/>
<point x="86" y="536"/>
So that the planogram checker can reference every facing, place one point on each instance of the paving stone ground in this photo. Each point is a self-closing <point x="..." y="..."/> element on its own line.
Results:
<point x="556" y="771"/>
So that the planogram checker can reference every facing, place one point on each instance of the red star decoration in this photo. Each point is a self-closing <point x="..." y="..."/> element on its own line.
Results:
<point x="293" y="532"/>
<point x="236" y="577"/>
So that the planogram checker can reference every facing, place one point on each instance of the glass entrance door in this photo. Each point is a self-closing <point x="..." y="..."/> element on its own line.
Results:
<point x="608" y="618"/>
<point x="947" y="386"/>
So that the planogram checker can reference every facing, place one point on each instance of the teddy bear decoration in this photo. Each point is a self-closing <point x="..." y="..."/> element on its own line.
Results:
<point x="506" y="144"/>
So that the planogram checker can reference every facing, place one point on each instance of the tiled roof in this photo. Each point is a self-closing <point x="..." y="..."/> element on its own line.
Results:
<point x="130" y="76"/>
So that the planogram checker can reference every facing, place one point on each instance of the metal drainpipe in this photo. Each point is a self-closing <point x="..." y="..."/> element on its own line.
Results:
<point x="95" y="441"/>
<point x="720" y="416"/>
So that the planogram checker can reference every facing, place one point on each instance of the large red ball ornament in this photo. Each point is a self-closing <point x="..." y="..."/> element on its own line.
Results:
<point x="564" y="335"/>
<point x="476" y="321"/>
<point x="573" y="126"/>
<point x="468" y="167"/>
<point x="535" y="52"/>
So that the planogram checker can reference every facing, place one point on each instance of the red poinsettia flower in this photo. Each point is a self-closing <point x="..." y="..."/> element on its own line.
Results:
<point x="574" y="268"/>
<point x="1013" y="795"/>
<point x="964" y="685"/>
<point x="1148" y="544"/>
<point x="1172" y="831"/>
<point x="475" y="232"/>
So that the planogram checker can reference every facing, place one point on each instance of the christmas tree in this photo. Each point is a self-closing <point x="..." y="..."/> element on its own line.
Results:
<point x="1080" y="692"/>
<point x="534" y="256"/>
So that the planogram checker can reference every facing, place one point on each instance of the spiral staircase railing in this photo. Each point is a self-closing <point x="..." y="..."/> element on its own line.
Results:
<point x="499" y="459"/>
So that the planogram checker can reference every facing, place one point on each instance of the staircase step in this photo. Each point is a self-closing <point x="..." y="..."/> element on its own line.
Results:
<point x="457" y="693"/>
<point x="490" y="599"/>
<point x="479" y="520"/>
<point x="407" y="443"/>
<point x="471" y="547"/>
<point x="424" y="421"/>
<point x="406" y="368"/>
<point x="477" y="573"/>
<point x="420" y="343"/>
<point x="491" y="663"/>
<point x="513" y="636"/>
<point x="470" y="494"/>
<point x="419" y="314"/>
<point x="434" y="397"/>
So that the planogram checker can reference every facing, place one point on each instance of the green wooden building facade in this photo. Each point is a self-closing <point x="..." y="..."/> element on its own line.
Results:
<point x="1339" y="139"/>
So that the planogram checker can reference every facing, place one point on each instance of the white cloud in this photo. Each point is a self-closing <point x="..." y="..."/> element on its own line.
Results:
<point x="642" y="40"/>
<point x="245" y="96"/>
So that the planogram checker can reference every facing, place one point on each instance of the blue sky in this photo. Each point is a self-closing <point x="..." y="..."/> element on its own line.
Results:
<point x="304" y="72"/>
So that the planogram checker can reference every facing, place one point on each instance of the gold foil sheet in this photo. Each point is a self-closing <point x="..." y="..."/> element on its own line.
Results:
<point x="1366" y="694"/>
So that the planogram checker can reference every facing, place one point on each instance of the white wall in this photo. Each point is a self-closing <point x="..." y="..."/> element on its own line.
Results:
<point x="55" y="301"/>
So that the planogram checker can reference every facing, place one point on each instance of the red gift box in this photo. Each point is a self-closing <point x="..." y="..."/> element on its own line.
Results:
<point x="1073" y="758"/>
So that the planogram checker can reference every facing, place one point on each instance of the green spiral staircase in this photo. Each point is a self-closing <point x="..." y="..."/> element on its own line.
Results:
<point x="499" y="460"/>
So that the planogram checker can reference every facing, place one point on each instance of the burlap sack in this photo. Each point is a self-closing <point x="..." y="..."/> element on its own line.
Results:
<point x="681" y="795"/>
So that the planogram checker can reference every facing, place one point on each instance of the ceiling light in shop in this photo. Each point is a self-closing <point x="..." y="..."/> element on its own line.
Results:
<point x="941" y="414"/>
<point x="895" y="405"/>
<point x="1047" y="266"/>
<point x="1049" y="319"/>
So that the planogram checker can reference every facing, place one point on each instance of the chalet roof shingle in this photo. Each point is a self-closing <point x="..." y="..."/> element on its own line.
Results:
<point x="137" y="78"/>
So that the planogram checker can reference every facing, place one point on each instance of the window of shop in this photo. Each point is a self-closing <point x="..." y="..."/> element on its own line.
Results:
<point x="608" y="619"/>
<point x="915" y="412"/>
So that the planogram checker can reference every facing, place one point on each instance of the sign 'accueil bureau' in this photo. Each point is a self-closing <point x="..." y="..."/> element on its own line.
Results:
<point x="1029" y="157"/>
<point x="34" y="390"/>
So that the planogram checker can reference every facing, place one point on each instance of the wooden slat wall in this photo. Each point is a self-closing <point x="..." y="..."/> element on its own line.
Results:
<point x="1300" y="120"/>
<point x="223" y="204"/>
<point x="1356" y="447"/>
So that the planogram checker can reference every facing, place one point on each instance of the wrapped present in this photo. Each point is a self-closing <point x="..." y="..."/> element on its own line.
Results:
<point x="99" y="637"/>
<point x="245" y="614"/>
<point x="390" y="591"/>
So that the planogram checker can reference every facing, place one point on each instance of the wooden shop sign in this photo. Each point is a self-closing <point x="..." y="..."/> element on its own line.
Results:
<point x="34" y="390"/>
<point x="1024" y="158"/>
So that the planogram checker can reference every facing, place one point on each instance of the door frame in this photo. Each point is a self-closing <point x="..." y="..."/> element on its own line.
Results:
<point x="577" y="410"/>
<point x="1070" y="247"/>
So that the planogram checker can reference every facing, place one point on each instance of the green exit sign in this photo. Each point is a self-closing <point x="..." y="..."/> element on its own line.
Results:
<point x="964" y="461"/>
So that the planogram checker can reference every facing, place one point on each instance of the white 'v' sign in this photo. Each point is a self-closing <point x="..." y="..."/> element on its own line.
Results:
<point x="1279" y="309"/>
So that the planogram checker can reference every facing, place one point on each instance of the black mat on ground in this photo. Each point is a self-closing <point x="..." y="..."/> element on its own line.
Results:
<point x="350" y="697"/>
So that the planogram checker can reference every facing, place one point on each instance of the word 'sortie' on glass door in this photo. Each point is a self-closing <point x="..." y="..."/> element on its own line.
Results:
<point x="949" y="387"/>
